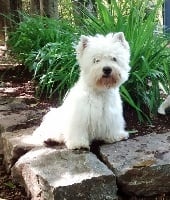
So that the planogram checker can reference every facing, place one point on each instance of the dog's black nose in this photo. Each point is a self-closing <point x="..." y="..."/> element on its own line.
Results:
<point x="107" y="70"/>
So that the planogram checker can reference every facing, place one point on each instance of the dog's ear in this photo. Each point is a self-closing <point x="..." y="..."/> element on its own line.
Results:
<point x="119" y="37"/>
<point x="82" y="44"/>
<point x="84" y="41"/>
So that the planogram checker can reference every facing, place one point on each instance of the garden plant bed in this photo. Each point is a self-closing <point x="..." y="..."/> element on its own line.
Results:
<point x="22" y="85"/>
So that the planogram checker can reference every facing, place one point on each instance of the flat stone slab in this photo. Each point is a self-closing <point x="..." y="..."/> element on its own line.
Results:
<point x="12" y="103"/>
<point x="15" y="103"/>
<point x="62" y="174"/>
<point x="15" y="144"/>
<point x="16" y="120"/>
<point x="141" y="165"/>
<point x="16" y="113"/>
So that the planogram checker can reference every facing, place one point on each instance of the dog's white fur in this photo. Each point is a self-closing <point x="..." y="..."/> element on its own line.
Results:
<point x="93" y="108"/>
<point x="165" y="104"/>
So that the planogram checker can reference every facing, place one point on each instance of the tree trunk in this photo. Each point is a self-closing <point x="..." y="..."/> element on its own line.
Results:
<point x="42" y="12"/>
<point x="15" y="6"/>
<point x="53" y="8"/>
<point x="4" y="22"/>
<point x="35" y="7"/>
<point x="79" y="5"/>
<point x="49" y="8"/>
<point x="8" y="8"/>
<point x="5" y="10"/>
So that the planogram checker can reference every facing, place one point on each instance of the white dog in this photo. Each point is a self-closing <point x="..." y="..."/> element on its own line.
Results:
<point x="93" y="108"/>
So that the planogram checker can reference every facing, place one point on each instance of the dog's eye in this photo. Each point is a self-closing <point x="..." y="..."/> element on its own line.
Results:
<point x="96" y="60"/>
<point x="114" y="59"/>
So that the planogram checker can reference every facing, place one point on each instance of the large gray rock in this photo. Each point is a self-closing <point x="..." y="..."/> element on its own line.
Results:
<point x="17" y="113"/>
<point x="18" y="120"/>
<point x="11" y="104"/>
<point x="16" y="144"/>
<point x="62" y="174"/>
<point x="142" y="165"/>
<point x="14" y="117"/>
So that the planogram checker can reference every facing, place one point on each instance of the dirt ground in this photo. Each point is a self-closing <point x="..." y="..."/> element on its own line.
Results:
<point x="24" y="86"/>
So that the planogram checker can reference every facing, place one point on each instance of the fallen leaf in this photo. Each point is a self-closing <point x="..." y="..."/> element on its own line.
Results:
<point x="145" y="163"/>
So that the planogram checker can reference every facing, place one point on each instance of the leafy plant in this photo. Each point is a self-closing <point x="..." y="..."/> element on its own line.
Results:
<point x="45" y="46"/>
<point x="33" y="32"/>
<point x="10" y="185"/>
<point x="150" y="56"/>
<point x="55" y="67"/>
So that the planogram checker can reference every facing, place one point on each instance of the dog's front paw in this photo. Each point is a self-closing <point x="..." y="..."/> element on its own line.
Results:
<point x="77" y="145"/>
<point x="123" y="135"/>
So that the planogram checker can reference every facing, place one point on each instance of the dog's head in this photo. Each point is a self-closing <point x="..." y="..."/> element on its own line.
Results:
<point x="104" y="60"/>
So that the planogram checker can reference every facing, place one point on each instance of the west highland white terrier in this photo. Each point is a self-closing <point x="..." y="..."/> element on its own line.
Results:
<point x="92" y="110"/>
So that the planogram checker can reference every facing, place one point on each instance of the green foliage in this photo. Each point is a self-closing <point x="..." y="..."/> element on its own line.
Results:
<point x="31" y="34"/>
<point x="55" y="67"/>
<point x="150" y="57"/>
<point x="10" y="185"/>
<point x="45" y="46"/>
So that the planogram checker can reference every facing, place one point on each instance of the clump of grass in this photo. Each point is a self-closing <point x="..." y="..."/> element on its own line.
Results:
<point x="45" y="46"/>
<point x="54" y="68"/>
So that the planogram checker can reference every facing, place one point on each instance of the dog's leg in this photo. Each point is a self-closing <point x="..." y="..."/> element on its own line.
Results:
<point x="117" y="135"/>
<point x="121" y="135"/>
<point x="76" y="135"/>
<point x="117" y="131"/>
<point x="77" y="139"/>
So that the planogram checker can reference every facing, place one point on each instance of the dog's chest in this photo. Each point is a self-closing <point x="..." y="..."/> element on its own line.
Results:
<point x="100" y="113"/>
<point x="98" y="106"/>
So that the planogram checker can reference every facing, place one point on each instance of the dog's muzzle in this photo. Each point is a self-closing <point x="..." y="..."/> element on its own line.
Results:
<point x="110" y="78"/>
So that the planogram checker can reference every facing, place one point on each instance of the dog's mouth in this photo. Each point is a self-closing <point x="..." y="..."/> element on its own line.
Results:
<point x="105" y="76"/>
<point x="108" y="81"/>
